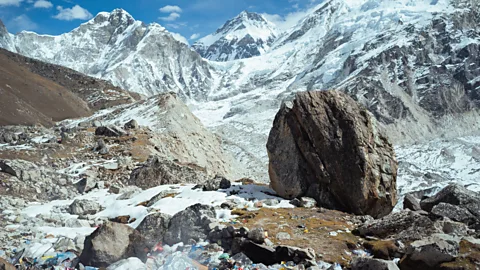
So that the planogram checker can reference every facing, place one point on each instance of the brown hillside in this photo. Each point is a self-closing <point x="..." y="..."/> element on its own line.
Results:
<point x="27" y="98"/>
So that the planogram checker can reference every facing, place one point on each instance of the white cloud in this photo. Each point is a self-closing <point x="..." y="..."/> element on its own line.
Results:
<point x="170" y="18"/>
<point x="42" y="4"/>
<point x="74" y="13"/>
<point x="194" y="36"/>
<point x="171" y="9"/>
<point x="10" y="2"/>
<point x="20" y="23"/>
<point x="179" y="37"/>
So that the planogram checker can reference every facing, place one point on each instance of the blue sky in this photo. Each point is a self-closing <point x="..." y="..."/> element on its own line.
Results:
<point x="190" y="18"/>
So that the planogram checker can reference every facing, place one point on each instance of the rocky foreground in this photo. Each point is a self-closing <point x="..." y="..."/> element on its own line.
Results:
<point x="146" y="186"/>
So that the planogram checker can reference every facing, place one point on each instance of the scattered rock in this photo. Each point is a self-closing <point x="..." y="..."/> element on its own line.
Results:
<point x="260" y="253"/>
<point x="365" y="263"/>
<point x="403" y="225"/>
<point x="430" y="252"/>
<point x="153" y="228"/>
<point x="110" y="131"/>
<point x="382" y="249"/>
<point x="96" y="123"/>
<point x="453" y="194"/>
<point x="215" y="184"/>
<point x="304" y="202"/>
<point x="454" y="212"/>
<point x="283" y="236"/>
<point x="314" y="140"/>
<point x="412" y="203"/>
<point x="85" y="184"/>
<point x="228" y="205"/>
<point x="84" y="207"/>
<point x="162" y="194"/>
<point x="5" y="168"/>
<point x="189" y="224"/>
<point x="257" y="235"/>
<point x="132" y="124"/>
<point x="101" y="147"/>
<point x="111" y="243"/>
<point x="114" y="189"/>
<point x="157" y="172"/>
<point x="305" y="257"/>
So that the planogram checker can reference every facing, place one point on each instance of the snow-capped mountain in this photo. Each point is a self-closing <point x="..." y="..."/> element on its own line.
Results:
<point x="6" y="40"/>
<point x="247" y="35"/>
<point x="142" y="58"/>
<point x="414" y="64"/>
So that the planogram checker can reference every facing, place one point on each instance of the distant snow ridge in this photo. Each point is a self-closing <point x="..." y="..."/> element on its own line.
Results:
<point x="247" y="35"/>
<point x="142" y="58"/>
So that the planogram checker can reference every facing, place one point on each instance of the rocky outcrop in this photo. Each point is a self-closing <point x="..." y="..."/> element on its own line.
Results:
<point x="430" y="253"/>
<point x="153" y="228"/>
<point x="156" y="172"/>
<point x="328" y="147"/>
<point x="405" y="225"/>
<point x="84" y="207"/>
<point x="111" y="243"/>
<point x="215" y="184"/>
<point x="190" y="224"/>
<point x="365" y="263"/>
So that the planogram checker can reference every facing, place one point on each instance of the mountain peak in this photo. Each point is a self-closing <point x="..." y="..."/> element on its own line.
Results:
<point x="117" y="16"/>
<point x="248" y="34"/>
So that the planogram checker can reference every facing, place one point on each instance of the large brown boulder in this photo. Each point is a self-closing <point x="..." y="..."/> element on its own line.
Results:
<point x="326" y="146"/>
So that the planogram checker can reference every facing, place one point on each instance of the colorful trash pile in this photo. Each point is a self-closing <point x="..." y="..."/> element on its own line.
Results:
<point x="201" y="256"/>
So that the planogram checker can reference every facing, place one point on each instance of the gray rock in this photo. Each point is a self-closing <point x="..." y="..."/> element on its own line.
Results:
<point x="110" y="131"/>
<point x="114" y="189"/>
<point x="76" y="223"/>
<point x="430" y="252"/>
<point x="304" y="202"/>
<point x="228" y="205"/>
<point x="111" y="243"/>
<point x="189" y="224"/>
<point x="328" y="147"/>
<point x="302" y="256"/>
<point x="156" y="172"/>
<point x="5" y="168"/>
<point x="162" y="194"/>
<point x="454" y="212"/>
<point x="411" y="202"/>
<point x="86" y="184"/>
<point x="101" y="147"/>
<point x="283" y="236"/>
<point x="453" y="194"/>
<point x="83" y="207"/>
<point x="215" y="184"/>
<point x="404" y="225"/>
<point x="260" y="253"/>
<point x="132" y="124"/>
<point x="154" y="227"/>
<point x="365" y="263"/>
<point x="257" y="235"/>
<point x="96" y="123"/>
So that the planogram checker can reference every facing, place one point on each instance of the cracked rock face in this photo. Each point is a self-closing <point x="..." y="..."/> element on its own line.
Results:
<point x="313" y="141"/>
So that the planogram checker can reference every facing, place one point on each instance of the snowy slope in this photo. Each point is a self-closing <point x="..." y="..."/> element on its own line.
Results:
<point x="142" y="58"/>
<point x="247" y="35"/>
